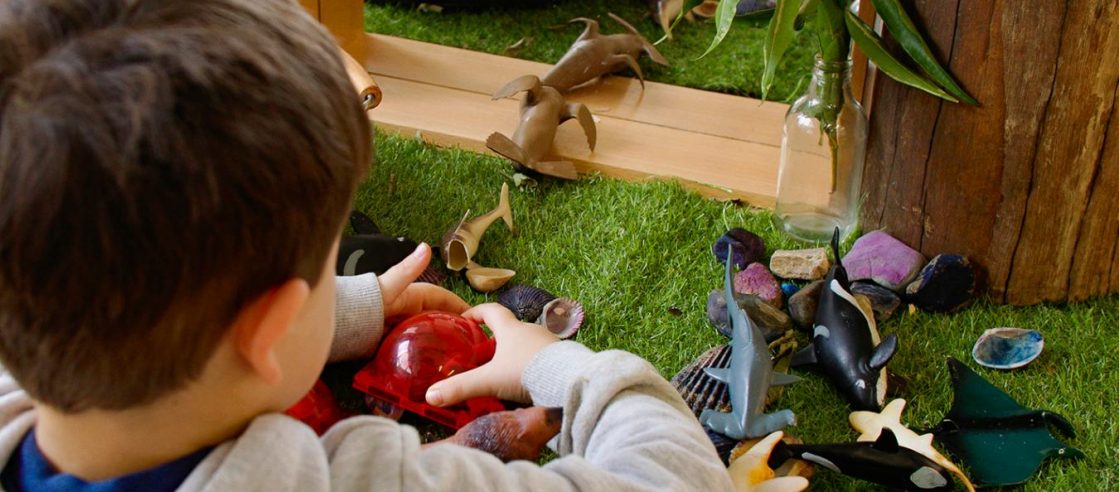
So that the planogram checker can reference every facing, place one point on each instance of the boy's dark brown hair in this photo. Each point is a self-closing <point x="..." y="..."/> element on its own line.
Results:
<point x="162" y="163"/>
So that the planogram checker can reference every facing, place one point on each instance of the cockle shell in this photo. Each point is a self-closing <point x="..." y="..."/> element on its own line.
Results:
<point x="562" y="316"/>
<point x="525" y="301"/>
<point x="1007" y="348"/>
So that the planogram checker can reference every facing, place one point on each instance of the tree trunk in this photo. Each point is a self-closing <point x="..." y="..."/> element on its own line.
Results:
<point x="1027" y="185"/>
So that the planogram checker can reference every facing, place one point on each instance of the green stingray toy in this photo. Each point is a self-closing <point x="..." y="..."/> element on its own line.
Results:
<point x="1000" y="441"/>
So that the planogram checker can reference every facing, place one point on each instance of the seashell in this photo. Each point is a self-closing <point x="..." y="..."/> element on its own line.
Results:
<point x="1007" y="348"/>
<point x="700" y="391"/>
<point x="562" y="316"/>
<point x="485" y="279"/>
<point x="525" y="301"/>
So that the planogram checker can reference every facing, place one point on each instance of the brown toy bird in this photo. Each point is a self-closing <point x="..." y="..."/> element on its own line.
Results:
<point x="594" y="55"/>
<point x="510" y="435"/>
<point x="542" y="111"/>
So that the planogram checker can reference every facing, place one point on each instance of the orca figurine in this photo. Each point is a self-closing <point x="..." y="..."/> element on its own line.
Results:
<point x="367" y="250"/>
<point x="748" y="378"/>
<point x="845" y="341"/>
<point x="883" y="462"/>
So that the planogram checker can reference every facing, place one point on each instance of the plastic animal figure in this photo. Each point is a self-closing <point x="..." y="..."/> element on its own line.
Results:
<point x="510" y="435"/>
<point x="594" y="55"/>
<point x="461" y="242"/>
<point x="846" y="343"/>
<point x="751" y="471"/>
<point x="870" y="425"/>
<point x="542" y="111"/>
<point x="748" y="378"/>
<point x="882" y="461"/>
<point x="367" y="250"/>
<point x="1000" y="441"/>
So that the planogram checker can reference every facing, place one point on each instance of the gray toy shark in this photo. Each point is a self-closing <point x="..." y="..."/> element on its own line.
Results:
<point x="748" y="379"/>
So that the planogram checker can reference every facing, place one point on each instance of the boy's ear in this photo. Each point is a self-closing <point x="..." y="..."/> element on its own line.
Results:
<point x="263" y="322"/>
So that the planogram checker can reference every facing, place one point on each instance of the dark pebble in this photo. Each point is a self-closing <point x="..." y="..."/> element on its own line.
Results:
<point x="746" y="247"/>
<point x="945" y="285"/>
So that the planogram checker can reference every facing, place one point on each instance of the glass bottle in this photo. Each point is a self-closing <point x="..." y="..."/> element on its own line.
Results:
<point x="823" y="147"/>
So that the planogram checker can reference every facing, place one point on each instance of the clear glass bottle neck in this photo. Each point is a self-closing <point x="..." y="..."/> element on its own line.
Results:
<point x="826" y="75"/>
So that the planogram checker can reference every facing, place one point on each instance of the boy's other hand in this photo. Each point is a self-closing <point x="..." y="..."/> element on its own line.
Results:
<point x="403" y="297"/>
<point x="517" y="343"/>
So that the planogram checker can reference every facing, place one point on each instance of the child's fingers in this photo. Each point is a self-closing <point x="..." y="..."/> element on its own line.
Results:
<point x="401" y="275"/>
<point x="464" y="386"/>
<point x="427" y="297"/>
<point x="491" y="314"/>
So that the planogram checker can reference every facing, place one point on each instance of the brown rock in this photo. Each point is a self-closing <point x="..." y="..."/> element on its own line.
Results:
<point x="800" y="264"/>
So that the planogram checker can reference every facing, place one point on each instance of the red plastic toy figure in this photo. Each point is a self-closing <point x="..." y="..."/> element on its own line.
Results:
<point x="420" y="351"/>
<point x="318" y="409"/>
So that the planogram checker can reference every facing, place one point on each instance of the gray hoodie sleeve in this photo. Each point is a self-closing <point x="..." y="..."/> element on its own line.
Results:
<point x="624" y="428"/>
<point x="359" y="317"/>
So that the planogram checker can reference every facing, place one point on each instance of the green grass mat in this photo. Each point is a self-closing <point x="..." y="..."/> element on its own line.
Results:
<point x="734" y="67"/>
<point x="633" y="251"/>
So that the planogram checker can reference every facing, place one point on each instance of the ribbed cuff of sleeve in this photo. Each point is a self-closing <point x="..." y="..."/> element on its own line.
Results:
<point x="553" y="370"/>
<point x="359" y="317"/>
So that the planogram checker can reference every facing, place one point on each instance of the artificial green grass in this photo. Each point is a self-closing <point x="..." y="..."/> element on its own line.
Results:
<point x="734" y="67"/>
<point x="631" y="252"/>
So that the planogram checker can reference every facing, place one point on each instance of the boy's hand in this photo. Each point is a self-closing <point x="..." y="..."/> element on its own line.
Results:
<point x="403" y="297"/>
<point x="517" y="343"/>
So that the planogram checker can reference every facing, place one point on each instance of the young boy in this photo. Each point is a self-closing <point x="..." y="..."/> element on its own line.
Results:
<point x="173" y="180"/>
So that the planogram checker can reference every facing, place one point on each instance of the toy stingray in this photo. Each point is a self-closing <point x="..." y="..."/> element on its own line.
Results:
<point x="883" y="462"/>
<point x="748" y="379"/>
<point x="1000" y="441"/>
<point x="870" y="426"/>
<point x="542" y="111"/>
<point x="845" y="341"/>
<point x="593" y="55"/>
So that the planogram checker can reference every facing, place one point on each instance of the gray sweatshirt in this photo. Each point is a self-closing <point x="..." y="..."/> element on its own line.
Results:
<point x="624" y="428"/>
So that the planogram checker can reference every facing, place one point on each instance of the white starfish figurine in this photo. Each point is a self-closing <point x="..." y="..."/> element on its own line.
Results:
<point x="869" y="425"/>
<point x="751" y="471"/>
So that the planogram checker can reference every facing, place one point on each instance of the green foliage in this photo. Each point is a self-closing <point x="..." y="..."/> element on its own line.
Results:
<point x="778" y="38"/>
<point x="903" y="29"/>
<point x="871" y="44"/>
<point x="632" y="251"/>
<point x="724" y="16"/>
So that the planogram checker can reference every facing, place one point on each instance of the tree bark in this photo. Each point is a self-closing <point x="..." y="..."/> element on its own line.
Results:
<point x="1027" y="185"/>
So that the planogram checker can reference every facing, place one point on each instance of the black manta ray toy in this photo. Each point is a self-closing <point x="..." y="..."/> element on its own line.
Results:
<point x="1000" y="441"/>
<point x="845" y="341"/>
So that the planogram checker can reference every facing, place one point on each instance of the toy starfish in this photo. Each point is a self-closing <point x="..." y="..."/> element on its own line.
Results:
<point x="751" y="471"/>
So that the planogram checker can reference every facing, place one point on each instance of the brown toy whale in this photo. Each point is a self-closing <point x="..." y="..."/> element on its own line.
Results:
<point x="594" y="55"/>
<point x="542" y="111"/>
<point x="461" y="242"/>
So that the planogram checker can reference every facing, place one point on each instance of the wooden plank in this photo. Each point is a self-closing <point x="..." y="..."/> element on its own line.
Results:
<point x="312" y="7"/>
<point x="346" y="20"/>
<point x="626" y="149"/>
<point x="617" y="97"/>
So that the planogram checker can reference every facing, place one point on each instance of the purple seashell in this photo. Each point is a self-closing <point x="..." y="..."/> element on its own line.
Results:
<point x="563" y="317"/>
<point x="525" y="301"/>
<point x="881" y="258"/>
<point x="757" y="280"/>
<point x="746" y="247"/>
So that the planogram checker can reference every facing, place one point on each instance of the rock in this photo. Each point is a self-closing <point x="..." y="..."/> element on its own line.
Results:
<point x="800" y="264"/>
<point x="746" y="247"/>
<point x="789" y="288"/>
<point x="802" y="305"/>
<point x="883" y="301"/>
<point x="771" y="321"/>
<point x="945" y="285"/>
<point x="881" y="258"/>
<point x="757" y="280"/>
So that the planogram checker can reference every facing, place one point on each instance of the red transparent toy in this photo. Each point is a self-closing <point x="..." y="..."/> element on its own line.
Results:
<point x="318" y="409"/>
<point x="420" y="351"/>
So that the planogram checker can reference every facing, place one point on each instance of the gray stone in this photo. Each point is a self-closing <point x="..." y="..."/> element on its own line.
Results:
<point x="883" y="301"/>
<point x="802" y="305"/>
<point x="800" y="264"/>
<point x="771" y="321"/>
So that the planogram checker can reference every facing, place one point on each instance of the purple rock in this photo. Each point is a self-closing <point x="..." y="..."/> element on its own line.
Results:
<point x="881" y="258"/>
<point x="757" y="280"/>
<point x="945" y="285"/>
<point x="746" y="247"/>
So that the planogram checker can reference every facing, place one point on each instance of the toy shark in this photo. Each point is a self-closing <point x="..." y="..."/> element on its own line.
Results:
<point x="542" y="111"/>
<point x="594" y="55"/>
<point x="846" y="343"/>
<point x="882" y="461"/>
<point x="748" y="378"/>
<point x="461" y="242"/>
<point x="870" y="425"/>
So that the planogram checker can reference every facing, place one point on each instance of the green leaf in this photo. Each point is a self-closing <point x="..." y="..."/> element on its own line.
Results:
<point x="778" y="39"/>
<point x="903" y="29"/>
<point x="871" y="44"/>
<point x="835" y="42"/>
<point x="724" y="16"/>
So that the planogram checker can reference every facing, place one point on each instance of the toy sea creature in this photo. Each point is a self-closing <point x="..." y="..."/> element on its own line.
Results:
<point x="510" y="435"/>
<point x="846" y="343"/>
<point x="751" y="471"/>
<point x="882" y="461"/>
<point x="486" y="279"/>
<point x="461" y="242"/>
<point x="1000" y="441"/>
<point x="870" y="425"/>
<point x="748" y="378"/>
<point x="542" y="111"/>
<point x="1007" y="348"/>
<point x="594" y="55"/>
<point x="367" y="250"/>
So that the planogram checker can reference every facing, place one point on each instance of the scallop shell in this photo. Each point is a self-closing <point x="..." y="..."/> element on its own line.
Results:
<point x="562" y="316"/>
<point x="526" y="302"/>
<point x="1007" y="348"/>
<point x="700" y="391"/>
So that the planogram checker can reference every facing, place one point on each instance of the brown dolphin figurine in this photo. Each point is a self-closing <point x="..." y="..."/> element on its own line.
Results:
<point x="510" y="435"/>
<point x="461" y="241"/>
<point x="594" y="55"/>
<point x="542" y="111"/>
